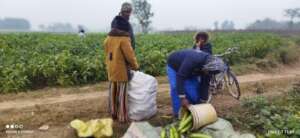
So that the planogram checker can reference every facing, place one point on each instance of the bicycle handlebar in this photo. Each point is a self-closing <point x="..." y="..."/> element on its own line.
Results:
<point x="228" y="51"/>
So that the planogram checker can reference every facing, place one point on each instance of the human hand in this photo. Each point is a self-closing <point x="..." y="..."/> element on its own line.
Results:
<point x="184" y="102"/>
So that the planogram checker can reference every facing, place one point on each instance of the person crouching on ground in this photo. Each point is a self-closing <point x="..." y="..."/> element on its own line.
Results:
<point x="119" y="58"/>
<point x="184" y="65"/>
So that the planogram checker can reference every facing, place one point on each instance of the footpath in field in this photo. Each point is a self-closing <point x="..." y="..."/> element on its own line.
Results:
<point x="58" y="109"/>
<point x="23" y="103"/>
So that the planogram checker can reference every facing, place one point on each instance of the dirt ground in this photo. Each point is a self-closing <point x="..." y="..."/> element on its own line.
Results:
<point x="56" y="107"/>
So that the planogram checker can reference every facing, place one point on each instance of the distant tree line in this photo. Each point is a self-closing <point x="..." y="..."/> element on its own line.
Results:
<point x="20" y="24"/>
<point x="144" y="14"/>
<point x="15" y="24"/>
<point x="58" y="28"/>
<point x="267" y="23"/>
<point x="225" y="25"/>
<point x="270" y="24"/>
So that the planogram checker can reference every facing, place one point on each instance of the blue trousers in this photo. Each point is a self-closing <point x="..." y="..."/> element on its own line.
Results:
<point x="192" y="90"/>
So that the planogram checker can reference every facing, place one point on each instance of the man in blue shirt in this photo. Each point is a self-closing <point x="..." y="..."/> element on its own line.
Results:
<point x="182" y="66"/>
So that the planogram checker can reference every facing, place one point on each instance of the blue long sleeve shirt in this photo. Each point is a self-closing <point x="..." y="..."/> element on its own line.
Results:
<point x="185" y="62"/>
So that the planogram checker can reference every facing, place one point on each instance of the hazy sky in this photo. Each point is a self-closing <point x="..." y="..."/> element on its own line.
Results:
<point x="176" y="14"/>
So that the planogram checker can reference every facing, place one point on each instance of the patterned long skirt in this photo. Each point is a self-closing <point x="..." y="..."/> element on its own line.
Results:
<point x="118" y="101"/>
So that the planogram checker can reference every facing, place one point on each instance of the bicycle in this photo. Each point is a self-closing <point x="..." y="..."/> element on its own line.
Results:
<point x="225" y="79"/>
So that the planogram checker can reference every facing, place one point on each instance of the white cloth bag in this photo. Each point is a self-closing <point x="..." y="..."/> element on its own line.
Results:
<point x="142" y="93"/>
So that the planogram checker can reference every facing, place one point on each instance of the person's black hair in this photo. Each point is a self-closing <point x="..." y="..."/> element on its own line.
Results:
<point x="201" y="35"/>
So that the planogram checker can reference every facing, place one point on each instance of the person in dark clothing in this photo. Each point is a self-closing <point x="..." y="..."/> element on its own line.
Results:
<point x="201" y="43"/>
<point x="81" y="31"/>
<point x="124" y="16"/>
<point x="119" y="59"/>
<point x="183" y="66"/>
<point x="122" y="24"/>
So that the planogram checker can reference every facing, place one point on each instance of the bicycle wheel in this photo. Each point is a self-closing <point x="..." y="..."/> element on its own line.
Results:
<point x="209" y="97"/>
<point x="212" y="88"/>
<point x="232" y="85"/>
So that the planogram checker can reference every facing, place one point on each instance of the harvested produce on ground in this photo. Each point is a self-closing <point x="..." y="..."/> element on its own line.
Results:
<point x="163" y="133"/>
<point x="186" y="122"/>
<point x="199" y="135"/>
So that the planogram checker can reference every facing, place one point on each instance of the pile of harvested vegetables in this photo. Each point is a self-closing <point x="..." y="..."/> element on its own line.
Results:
<point x="182" y="128"/>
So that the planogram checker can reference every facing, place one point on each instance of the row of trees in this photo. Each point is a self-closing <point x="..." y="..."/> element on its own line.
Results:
<point x="270" y="24"/>
<point x="20" y="24"/>
<point x="225" y="25"/>
<point x="60" y="27"/>
<point x="267" y="23"/>
<point x="143" y="14"/>
<point x="292" y="14"/>
<point x="14" y="24"/>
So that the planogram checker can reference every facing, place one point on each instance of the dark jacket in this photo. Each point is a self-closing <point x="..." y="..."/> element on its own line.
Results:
<point x="205" y="48"/>
<point x="123" y="24"/>
<point x="205" y="78"/>
<point x="185" y="63"/>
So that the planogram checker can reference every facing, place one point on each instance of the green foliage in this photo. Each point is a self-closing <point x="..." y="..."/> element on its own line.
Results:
<point x="297" y="40"/>
<point x="279" y="118"/>
<point x="34" y="60"/>
<point x="289" y="54"/>
<point x="31" y="60"/>
<point x="252" y="45"/>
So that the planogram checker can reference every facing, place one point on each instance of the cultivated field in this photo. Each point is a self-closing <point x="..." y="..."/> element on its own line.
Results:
<point x="51" y="79"/>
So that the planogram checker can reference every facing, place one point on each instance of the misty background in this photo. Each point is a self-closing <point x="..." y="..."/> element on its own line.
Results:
<point x="96" y="15"/>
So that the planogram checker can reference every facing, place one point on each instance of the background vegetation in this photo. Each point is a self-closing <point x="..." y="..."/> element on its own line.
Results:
<point x="34" y="60"/>
<point x="273" y="117"/>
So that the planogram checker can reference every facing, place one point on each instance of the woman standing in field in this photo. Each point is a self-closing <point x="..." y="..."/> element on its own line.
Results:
<point x="201" y="43"/>
<point x="119" y="58"/>
<point x="125" y="14"/>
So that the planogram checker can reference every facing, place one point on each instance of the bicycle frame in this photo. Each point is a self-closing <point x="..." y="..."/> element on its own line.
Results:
<point x="223" y="79"/>
<point x="218" y="79"/>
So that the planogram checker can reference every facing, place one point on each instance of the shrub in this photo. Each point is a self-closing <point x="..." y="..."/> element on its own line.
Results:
<point x="30" y="60"/>
<point x="289" y="54"/>
<point x="273" y="119"/>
